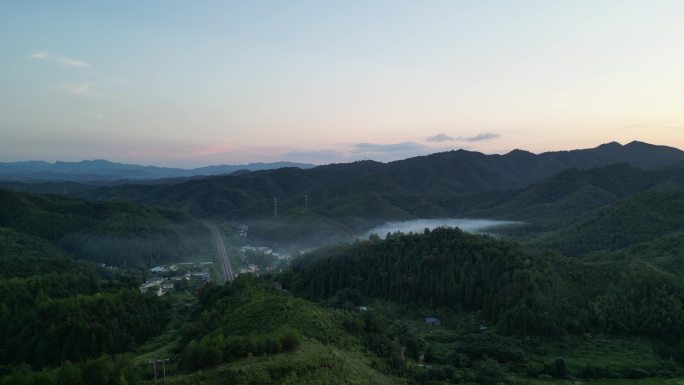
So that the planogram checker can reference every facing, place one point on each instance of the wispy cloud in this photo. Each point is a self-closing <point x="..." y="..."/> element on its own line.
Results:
<point x="387" y="148"/>
<point x="59" y="59"/>
<point x="185" y="152"/>
<point x="210" y="150"/>
<point x="482" y="137"/>
<point x="390" y="152"/>
<point x="316" y="156"/>
<point x="442" y="138"/>
<point x="438" y="138"/>
<point x="81" y="67"/>
<point x="94" y="115"/>
<point x="79" y="89"/>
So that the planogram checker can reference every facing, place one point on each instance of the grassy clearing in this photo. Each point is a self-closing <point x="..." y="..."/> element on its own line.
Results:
<point x="646" y="381"/>
<point x="313" y="363"/>
<point x="604" y="352"/>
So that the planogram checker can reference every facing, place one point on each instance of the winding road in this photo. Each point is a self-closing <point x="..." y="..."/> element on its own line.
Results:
<point x="226" y="269"/>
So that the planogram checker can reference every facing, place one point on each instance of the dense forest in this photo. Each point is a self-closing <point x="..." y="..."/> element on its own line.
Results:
<point x="523" y="291"/>
<point x="56" y="310"/>
<point x="79" y="327"/>
<point x="113" y="233"/>
<point x="640" y="218"/>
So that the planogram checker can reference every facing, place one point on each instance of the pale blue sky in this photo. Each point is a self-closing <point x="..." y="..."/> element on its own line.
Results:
<point x="192" y="83"/>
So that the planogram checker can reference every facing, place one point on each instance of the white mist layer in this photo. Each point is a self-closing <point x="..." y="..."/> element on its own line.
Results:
<point x="419" y="225"/>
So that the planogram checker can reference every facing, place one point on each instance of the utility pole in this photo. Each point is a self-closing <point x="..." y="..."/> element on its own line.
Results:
<point x="275" y="207"/>
<point x="306" y="202"/>
<point x="163" y="363"/>
<point x="153" y="362"/>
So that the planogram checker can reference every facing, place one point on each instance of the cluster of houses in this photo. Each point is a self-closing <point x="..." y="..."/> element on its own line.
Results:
<point x="249" y="269"/>
<point x="242" y="230"/>
<point x="158" y="285"/>
<point x="246" y="251"/>
<point x="256" y="249"/>
<point x="162" y="285"/>
<point x="164" y="269"/>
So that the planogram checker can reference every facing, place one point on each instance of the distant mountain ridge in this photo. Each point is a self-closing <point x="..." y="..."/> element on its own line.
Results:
<point x="104" y="170"/>
<point x="353" y="185"/>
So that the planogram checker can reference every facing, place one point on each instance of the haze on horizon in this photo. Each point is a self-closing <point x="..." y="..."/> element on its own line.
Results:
<point x="188" y="84"/>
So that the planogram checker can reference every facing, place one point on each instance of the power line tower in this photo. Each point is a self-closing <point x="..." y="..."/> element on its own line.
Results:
<point x="275" y="207"/>
<point x="306" y="202"/>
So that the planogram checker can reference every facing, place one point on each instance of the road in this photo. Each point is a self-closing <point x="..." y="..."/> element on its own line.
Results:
<point x="226" y="269"/>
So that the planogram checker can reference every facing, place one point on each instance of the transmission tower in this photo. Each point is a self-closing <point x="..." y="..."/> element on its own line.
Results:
<point x="275" y="207"/>
<point x="306" y="202"/>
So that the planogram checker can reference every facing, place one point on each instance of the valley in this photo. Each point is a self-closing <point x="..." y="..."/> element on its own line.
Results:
<point x="564" y="284"/>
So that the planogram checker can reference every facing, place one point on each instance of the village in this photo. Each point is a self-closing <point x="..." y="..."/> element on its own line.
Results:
<point x="256" y="259"/>
<point x="244" y="258"/>
<point x="166" y="278"/>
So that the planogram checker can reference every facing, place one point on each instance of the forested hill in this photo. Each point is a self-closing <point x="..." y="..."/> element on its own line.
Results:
<point x="521" y="291"/>
<point x="569" y="195"/>
<point x="114" y="233"/>
<point x="53" y="308"/>
<point x="461" y="172"/>
<point x="641" y="218"/>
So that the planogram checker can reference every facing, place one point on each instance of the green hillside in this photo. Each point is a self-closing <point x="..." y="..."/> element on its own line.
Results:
<point x="23" y="255"/>
<point x="637" y="219"/>
<point x="53" y="308"/>
<point x="545" y="316"/>
<point x="522" y="291"/>
<point x="559" y="200"/>
<point x="113" y="233"/>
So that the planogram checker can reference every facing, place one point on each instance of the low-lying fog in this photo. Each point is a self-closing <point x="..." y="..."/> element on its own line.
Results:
<point x="419" y="225"/>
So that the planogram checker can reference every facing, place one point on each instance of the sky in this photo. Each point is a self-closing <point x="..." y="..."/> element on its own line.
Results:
<point x="183" y="83"/>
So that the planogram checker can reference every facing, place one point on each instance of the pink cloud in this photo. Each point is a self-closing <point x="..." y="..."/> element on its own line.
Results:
<point x="199" y="151"/>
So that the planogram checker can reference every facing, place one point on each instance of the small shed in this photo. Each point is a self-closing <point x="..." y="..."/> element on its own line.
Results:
<point x="432" y="321"/>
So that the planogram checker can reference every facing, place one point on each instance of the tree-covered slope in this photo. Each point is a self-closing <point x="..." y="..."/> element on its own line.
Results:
<point x="522" y="291"/>
<point x="558" y="200"/>
<point x="53" y="308"/>
<point x="665" y="252"/>
<point x="23" y="255"/>
<point x="113" y="233"/>
<point x="267" y="336"/>
<point x="641" y="218"/>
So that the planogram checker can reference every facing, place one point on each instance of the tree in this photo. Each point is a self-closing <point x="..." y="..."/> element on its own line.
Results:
<point x="558" y="369"/>
<point x="69" y="374"/>
<point x="122" y="379"/>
